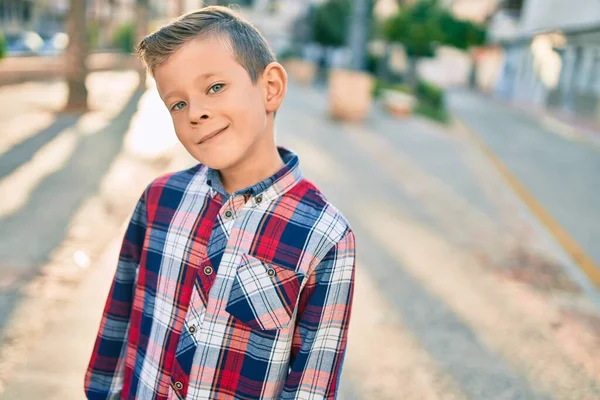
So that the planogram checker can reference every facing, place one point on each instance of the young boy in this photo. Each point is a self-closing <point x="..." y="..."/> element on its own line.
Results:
<point x="235" y="278"/>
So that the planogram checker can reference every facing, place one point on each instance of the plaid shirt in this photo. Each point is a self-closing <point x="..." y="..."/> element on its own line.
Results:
<point x="227" y="297"/>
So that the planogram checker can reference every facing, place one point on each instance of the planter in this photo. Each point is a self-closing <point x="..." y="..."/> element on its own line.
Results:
<point x="397" y="103"/>
<point x="301" y="71"/>
<point x="350" y="94"/>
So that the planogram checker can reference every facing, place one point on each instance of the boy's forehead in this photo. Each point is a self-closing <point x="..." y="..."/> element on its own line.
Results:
<point x="196" y="59"/>
<point x="204" y="53"/>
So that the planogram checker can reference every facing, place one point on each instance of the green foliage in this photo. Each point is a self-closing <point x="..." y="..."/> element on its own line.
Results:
<point x="416" y="27"/>
<point x="372" y="63"/>
<point x="330" y="24"/>
<point x="124" y="38"/>
<point x="436" y="114"/>
<point x="425" y="24"/>
<point x="381" y="85"/>
<point x="460" y="33"/>
<point x="287" y="53"/>
<point x="430" y="94"/>
<point x="431" y="102"/>
<point x="3" y="45"/>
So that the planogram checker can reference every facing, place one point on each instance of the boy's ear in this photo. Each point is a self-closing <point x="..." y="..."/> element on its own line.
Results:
<point x="275" y="83"/>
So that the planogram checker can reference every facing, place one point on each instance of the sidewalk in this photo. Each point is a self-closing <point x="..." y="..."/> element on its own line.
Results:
<point x="40" y="351"/>
<point x="22" y="69"/>
<point x="55" y="366"/>
<point x="558" y="171"/>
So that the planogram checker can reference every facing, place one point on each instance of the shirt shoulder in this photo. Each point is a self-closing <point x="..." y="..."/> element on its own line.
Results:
<point x="174" y="183"/>
<point x="326" y="219"/>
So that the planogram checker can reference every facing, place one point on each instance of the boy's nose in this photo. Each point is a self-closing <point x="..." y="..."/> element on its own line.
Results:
<point x="198" y="114"/>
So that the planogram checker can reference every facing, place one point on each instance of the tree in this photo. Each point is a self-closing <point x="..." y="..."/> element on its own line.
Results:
<point x="338" y="23"/>
<point x="330" y="24"/>
<point x="141" y="31"/>
<point x="76" y="57"/>
<point x="423" y="26"/>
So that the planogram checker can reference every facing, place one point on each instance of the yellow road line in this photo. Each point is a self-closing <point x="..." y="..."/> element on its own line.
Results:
<point x="585" y="262"/>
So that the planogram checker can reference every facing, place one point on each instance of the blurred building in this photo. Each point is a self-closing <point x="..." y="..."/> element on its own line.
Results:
<point x="15" y="14"/>
<point x="551" y="54"/>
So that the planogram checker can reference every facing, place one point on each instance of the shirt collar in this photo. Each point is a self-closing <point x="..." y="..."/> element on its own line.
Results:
<point x="269" y="188"/>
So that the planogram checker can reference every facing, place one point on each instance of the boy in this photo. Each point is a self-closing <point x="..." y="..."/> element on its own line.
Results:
<point x="235" y="278"/>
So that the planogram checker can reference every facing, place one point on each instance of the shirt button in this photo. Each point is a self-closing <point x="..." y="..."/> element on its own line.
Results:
<point x="193" y="329"/>
<point x="271" y="272"/>
<point x="208" y="270"/>
<point x="259" y="199"/>
<point x="178" y="385"/>
<point x="228" y="214"/>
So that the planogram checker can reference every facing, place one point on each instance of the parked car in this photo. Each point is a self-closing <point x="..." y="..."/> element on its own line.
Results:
<point x="24" y="43"/>
<point x="55" y="43"/>
<point x="30" y="43"/>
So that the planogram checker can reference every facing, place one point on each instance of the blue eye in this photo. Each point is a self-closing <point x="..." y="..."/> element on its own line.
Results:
<point x="216" y="88"/>
<point x="178" y="106"/>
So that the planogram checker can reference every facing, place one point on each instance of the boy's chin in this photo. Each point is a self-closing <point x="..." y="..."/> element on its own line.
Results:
<point x="216" y="160"/>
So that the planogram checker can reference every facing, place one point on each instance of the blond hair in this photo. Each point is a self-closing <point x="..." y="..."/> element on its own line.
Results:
<point x="247" y="44"/>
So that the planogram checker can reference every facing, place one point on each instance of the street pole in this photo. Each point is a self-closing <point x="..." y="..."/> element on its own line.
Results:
<point x="359" y="27"/>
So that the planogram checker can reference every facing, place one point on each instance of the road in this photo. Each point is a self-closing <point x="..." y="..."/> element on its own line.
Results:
<point x="460" y="293"/>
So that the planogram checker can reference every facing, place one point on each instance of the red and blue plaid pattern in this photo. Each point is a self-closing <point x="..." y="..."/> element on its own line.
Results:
<point x="269" y="322"/>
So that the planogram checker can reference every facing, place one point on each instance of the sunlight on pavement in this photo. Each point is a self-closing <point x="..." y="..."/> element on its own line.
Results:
<point x="463" y="221"/>
<point x="108" y="90"/>
<point x="509" y="319"/>
<point x="400" y="369"/>
<point x="16" y="188"/>
<point x="15" y="131"/>
<point x="151" y="134"/>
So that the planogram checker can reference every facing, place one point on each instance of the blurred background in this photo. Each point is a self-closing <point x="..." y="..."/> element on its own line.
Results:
<point x="461" y="138"/>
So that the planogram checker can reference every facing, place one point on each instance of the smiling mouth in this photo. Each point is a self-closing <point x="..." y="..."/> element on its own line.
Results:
<point x="212" y="135"/>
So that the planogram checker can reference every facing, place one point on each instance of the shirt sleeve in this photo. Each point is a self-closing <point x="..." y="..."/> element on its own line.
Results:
<point x="104" y="376"/>
<point x="321" y="331"/>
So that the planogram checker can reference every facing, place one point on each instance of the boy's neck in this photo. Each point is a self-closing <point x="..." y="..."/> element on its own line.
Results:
<point x="252" y="170"/>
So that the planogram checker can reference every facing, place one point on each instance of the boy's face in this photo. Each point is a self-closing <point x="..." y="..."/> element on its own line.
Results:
<point x="219" y="115"/>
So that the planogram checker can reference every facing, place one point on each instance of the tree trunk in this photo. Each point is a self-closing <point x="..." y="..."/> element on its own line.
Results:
<point x="141" y="31"/>
<point x="359" y="28"/>
<point x="412" y="74"/>
<point x="180" y="7"/>
<point x="75" y="58"/>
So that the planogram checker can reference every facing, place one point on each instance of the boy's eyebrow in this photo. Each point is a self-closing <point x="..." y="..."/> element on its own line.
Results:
<point x="204" y="76"/>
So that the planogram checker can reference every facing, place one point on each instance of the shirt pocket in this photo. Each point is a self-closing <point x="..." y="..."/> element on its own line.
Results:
<point x="264" y="295"/>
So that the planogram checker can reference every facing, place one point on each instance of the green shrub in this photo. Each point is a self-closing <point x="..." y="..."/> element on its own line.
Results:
<point x="330" y="23"/>
<point x="288" y="53"/>
<point x="124" y="38"/>
<point x="381" y="85"/>
<point x="430" y="94"/>
<point x="3" y="45"/>
<point x="373" y="63"/>
<point x="436" y="114"/>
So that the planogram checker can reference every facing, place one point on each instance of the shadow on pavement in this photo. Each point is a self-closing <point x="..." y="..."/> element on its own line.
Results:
<point x="24" y="151"/>
<point x="51" y="205"/>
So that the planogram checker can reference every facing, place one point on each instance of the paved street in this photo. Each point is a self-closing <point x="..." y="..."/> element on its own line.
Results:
<point x="560" y="170"/>
<point x="461" y="293"/>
